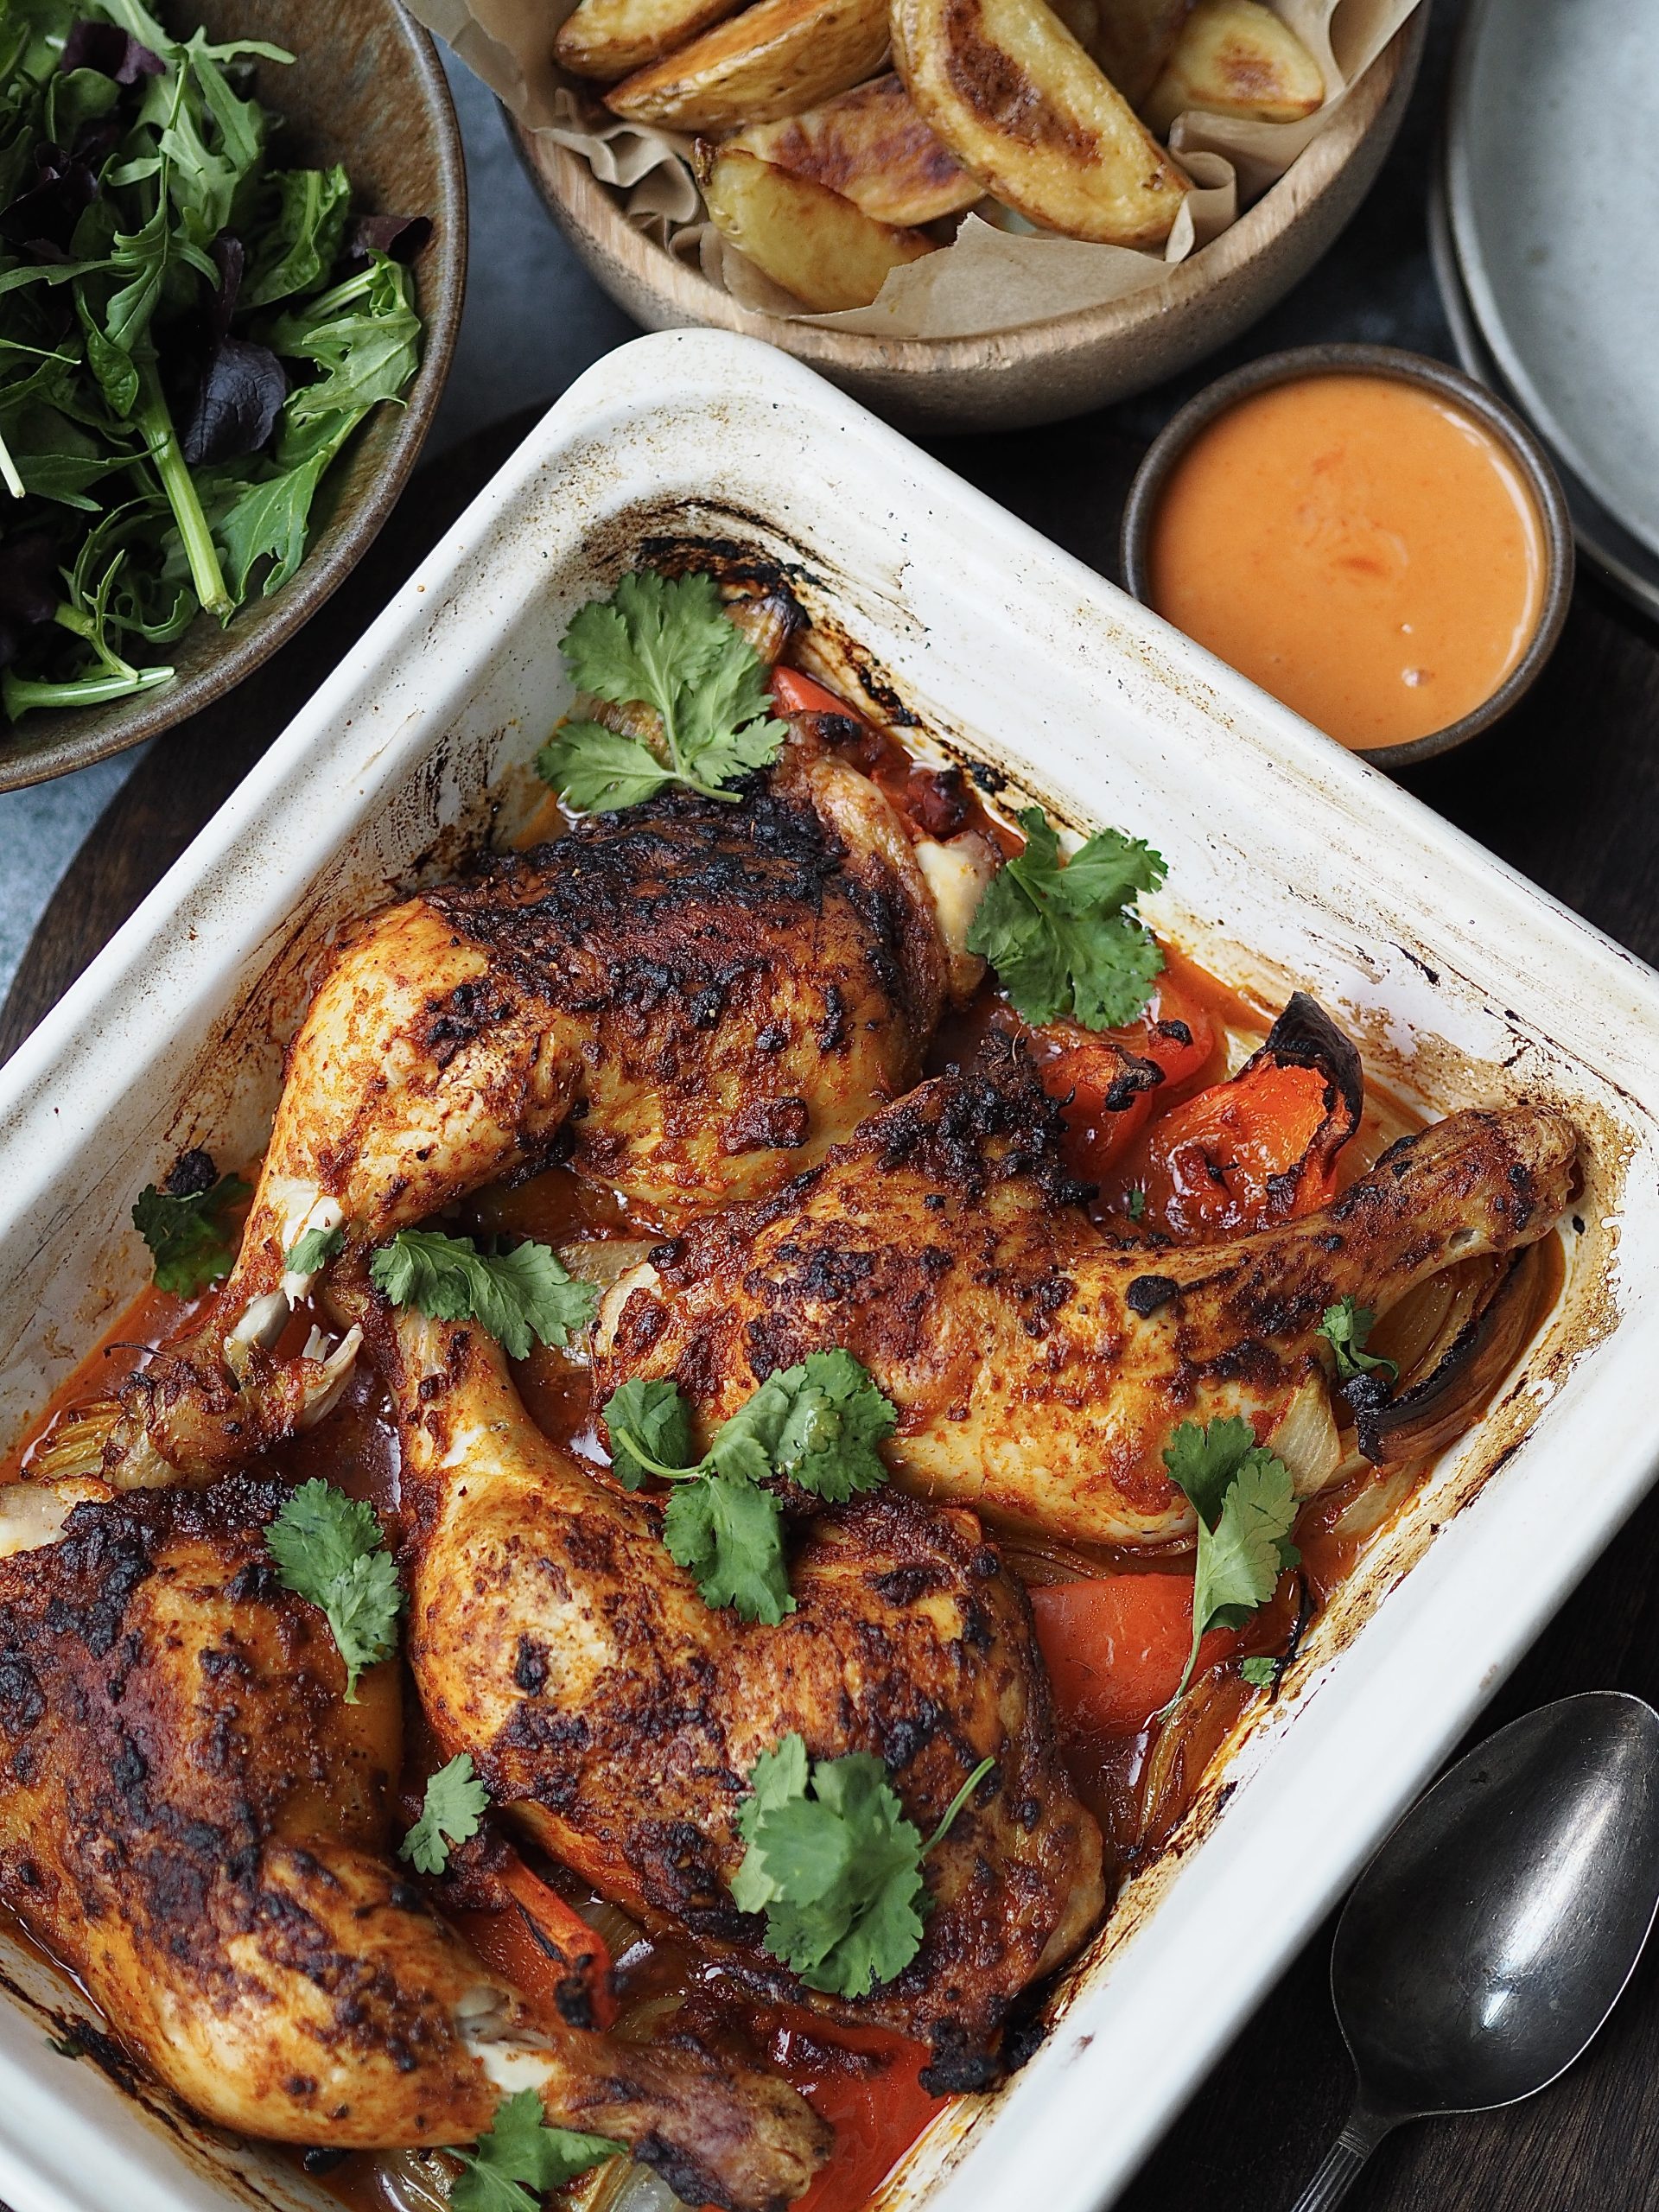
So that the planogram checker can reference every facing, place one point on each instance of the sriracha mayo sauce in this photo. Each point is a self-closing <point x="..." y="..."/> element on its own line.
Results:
<point x="1358" y="546"/>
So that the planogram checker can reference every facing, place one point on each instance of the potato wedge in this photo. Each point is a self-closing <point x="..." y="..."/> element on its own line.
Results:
<point x="775" y="59"/>
<point x="1134" y="40"/>
<point x="872" y="147"/>
<point x="1023" y="109"/>
<point x="817" y="245"/>
<point x="608" y="39"/>
<point x="1235" y="57"/>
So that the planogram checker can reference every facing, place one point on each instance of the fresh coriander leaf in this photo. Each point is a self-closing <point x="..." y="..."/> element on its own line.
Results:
<point x="650" y="1428"/>
<point x="454" y="1804"/>
<point x="1259" y="1670"/>
<point x="328" y="1548"/>
<point x="521" y="2159"/>
<point x="1064" y="937"/>
<point x="728" y="1535"/>
<point x="1203" y="1460"/>
<point x="67" y="2046"/>
<point x="518" y="1296"/>
<point x="816" y="1424"/>
<point x="1345" y="1328"/>
<point x="662" y="642"/>
<point x="312" y="1252"/>
<point x="190" y="1241"/>
<point x="1137" y="1202"/>
<point x="836" y="1867"/>
<point x="597" y="769"/>
<point x="1246" y="1506"/>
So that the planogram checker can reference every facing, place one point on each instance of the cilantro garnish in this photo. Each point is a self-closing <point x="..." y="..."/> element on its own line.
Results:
<point x="512" y="2167"/>
<point x="517" y="1295"/>
<point x="1064" y="937"/>
<point x="189" y="1238"/>
<point x="1260" y="1670"/>
<point x="313" y="1251"/>
<point x="450" y="1812"/>
<point x="662" y="642"/>
<point x="817" y="1425"/>
<point x="1246" y="1506"/>
<point x="329" y="1548"/>
<point x="837" y="1872"/>
<point x="1345" y="1327"/>
<point x="1136" y="1202"/>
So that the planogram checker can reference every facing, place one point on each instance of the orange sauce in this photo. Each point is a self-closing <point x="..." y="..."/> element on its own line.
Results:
<point x="1360" y="547"/>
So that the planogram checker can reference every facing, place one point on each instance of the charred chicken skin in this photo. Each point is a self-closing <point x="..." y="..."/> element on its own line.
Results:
<point x="194" y="1822"/>
<point x="552" y="1638"/>
<point x="690" y="1000"/>
<point x="1038" y="1368"/>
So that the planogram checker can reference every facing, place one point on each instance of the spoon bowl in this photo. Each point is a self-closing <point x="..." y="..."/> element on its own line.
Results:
<point x="1491" y="1935"/>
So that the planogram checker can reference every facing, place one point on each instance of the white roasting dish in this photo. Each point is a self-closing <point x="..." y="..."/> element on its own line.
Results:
<point x="1290" y="863"/>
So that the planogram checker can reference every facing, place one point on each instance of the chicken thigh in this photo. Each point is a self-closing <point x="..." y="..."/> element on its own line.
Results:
<point x="1038" y="1368"/>
<point x="194" y="1823"/>
<point x="689" y="1000"/>
<point x="553" y="1638"/>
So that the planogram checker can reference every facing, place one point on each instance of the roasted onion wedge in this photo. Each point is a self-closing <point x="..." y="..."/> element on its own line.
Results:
<point x="1023" y="109"/>
<point x="1236" y="58"/>
<point x="871" y="146"/>
<point x="607" y="38"/>
<point x="775" y="59"/>
<point x="810" y="240"/>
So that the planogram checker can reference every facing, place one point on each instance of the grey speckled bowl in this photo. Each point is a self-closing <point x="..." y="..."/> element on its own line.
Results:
<point x="366" y="89"/>
<point x="1449" y="383"/>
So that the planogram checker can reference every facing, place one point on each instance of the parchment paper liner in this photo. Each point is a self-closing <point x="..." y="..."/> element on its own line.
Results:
<point x="991" y="278"/>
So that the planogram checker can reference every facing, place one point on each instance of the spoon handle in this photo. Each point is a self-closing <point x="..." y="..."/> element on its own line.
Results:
<point x="1360" y="2136"/>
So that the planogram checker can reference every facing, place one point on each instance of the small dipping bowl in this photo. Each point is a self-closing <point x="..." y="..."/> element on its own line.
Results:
<point x="1528" y="473"/>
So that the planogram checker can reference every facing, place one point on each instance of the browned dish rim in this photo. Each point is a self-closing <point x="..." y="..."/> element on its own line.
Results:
<point x="1451" y="383"/>
<point x="590" y="213"/>
<point x="83" y="735"/>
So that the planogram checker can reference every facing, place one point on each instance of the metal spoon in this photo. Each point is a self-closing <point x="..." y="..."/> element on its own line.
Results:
<point x="1493" y="1933"/>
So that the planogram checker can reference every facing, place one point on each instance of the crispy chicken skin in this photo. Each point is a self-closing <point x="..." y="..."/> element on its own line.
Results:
<point x="690" y="1000"/>
<point x="553" y="1638"/>
<point x="1039" y="1368"/>
<point x="194" y="1822"/>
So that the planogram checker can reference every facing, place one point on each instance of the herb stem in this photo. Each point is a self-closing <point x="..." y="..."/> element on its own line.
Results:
<point x="152" y="417"/>
<point x="958" y="1802"/>
<point x="637" y="1451"/>
<point x="14" y="482"/>
<point x="18" y="694"/>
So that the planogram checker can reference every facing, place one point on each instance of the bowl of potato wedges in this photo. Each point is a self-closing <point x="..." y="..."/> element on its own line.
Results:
<point x="834" y="143"/>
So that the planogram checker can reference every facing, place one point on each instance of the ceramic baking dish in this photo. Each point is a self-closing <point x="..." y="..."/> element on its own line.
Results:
<point x="1289" y="862"/>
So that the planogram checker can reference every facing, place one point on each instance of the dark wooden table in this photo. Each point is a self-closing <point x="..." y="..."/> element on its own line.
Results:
<point x="1567" y="791"/>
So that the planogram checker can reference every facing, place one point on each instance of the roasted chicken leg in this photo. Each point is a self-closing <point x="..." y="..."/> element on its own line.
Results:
<point x="618" y="1716"/>
<point x="690" y="1000"/>
<point x="194" y="1823"/>
<point x="1038" y="1368"/>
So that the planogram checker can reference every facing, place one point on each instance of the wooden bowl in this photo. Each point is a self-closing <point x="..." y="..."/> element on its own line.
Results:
<point x="367" y="90"/>
<point x="1043" y="372"/>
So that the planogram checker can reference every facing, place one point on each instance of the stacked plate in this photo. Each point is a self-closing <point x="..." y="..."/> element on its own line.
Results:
<point x="1548" y="255"/>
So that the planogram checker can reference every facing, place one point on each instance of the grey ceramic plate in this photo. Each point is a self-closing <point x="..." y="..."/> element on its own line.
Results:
<point x="1604" y="543"/>
<point x="1552" y="180"/>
